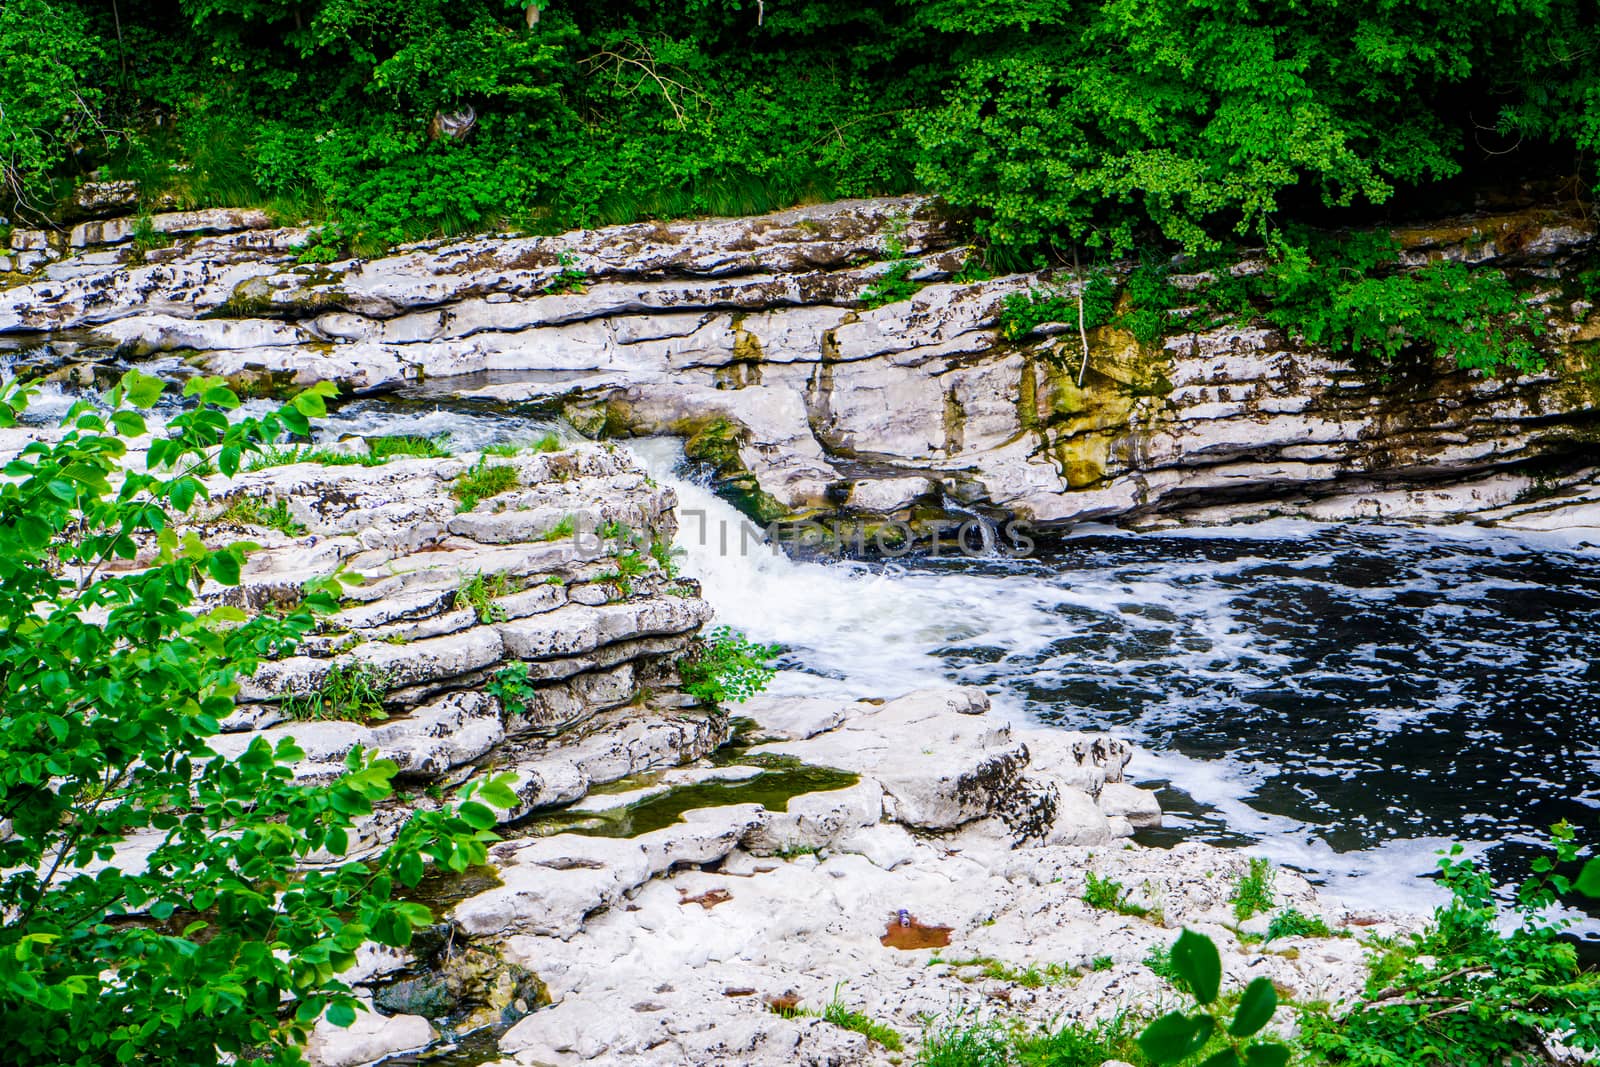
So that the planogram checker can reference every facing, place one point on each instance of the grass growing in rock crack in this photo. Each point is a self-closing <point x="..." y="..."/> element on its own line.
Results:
<point x="992" y="1044"/>
<point x="1252" y="892"/>
<point x="560" y="530"/>
<point x="548" y="443"/>
<point x="271" y="515"/>
<point x="350" y="691"/>
<point x="1108" y="894"/>
<point x="627" y="566"/>
<point x="481" y="481"/>
<point x="1030" y="977"/>
<point x="478" y="593"/>
<point x="836" y="1013"/>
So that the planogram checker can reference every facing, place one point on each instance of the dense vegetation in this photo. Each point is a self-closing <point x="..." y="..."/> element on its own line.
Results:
<point x="1109" y="123"/>
<point x="218" y="945"/>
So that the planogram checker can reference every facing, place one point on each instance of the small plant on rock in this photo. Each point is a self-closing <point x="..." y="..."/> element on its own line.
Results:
<point x="351" y="691"/>
<point x="569" y="279"/>
<point x="511" y="686"/>
<point x="481" y="481"/>
<point x="1293" y="923"/>
<point x="727" y="667"/>
<point x="1252" y="892"/>
<point x="1180" y="1037"/>
<point x="479" y="592"/>
<point x="270" y="515"/>
<point x="1108" y="894"/>
<point x="628" y="566"/>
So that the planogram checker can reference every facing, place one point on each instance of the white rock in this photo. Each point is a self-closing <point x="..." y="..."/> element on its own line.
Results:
<point x="371" y="1037"/>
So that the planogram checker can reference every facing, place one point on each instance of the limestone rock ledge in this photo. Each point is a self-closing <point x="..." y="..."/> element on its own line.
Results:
<point x="761" y="340"/>
<point x="661" y="948"/>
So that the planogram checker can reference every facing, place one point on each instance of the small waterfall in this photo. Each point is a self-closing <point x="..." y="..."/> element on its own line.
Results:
<point x="987" y="530"/>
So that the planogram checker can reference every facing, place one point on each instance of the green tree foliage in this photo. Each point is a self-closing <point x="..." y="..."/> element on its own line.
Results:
<point x="52" y="70"/>
<point x="1111" y="122"/>
<point x="157" y="903"/>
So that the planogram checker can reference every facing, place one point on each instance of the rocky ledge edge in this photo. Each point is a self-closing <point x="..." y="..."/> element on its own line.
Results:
<point x="708" y="941"/>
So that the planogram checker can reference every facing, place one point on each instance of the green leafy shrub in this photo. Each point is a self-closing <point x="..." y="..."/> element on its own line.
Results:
<point x="727" y="667"/>
<point x="1465" y="991"/>
<point x="479" y="592"/>
<point x="1180" y="1037"/>
<point x="219" y="937"/>
<point x="1021" y="313"/>
<point x="352" y="691"/>
<point x="892" y="286"/>
<point x="511" y="686"/>
<point x="481" y="481"/>
<point x="569" y="279"/>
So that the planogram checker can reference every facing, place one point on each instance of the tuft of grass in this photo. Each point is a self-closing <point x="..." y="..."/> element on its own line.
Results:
<point x="1107" y="894"/>
<point x="1030" y="977"/>
<point x="481" y="481"/>
<point x="384" y="447"/>
<point x="349" y="691"/>
<point x="270" y="515"/>
<point x="995" y="1044"/>
<point x="380" y="450"/>
<point x="1102" y="963"/>
<point x="628" y="566"/>
<point x="478" y="593"/>
<point x="666" y="557"/>
<point x="836" y="1013"/>
<point x="1293" y="923"/>
<point x="1252" y="892"/>
<point x="548" y="443"/>
<point x="560" y="530"/>
<point x="1160" y="963"/>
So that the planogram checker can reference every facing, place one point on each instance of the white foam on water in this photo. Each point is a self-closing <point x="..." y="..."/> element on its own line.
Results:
<point x="881" y="629"/>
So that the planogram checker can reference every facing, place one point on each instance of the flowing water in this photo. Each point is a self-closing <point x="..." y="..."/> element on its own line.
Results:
<point x="1345" y="699"/>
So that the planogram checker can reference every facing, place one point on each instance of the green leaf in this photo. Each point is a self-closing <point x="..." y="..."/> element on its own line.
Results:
<point x="1198" y="965"/>
<point x="1266" y="1054"/>
<point x="1589" y="878"/>
<point x="477" y="816"/>
<point x="1255" y="1010"/>
<point x="341" y="1013"/>
<point x="224" y="567"/>
<point x="1225" y="1058"/>
<point x="497" y="792"/>
<point x="1175" y="1036"/>
<point x="140" y="390"/>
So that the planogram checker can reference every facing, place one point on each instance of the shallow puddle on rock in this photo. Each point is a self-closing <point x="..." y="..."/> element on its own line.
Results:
<point x="913" y="934"/>
<point x="781" y="779"/>
<point x="442" y="890"/>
